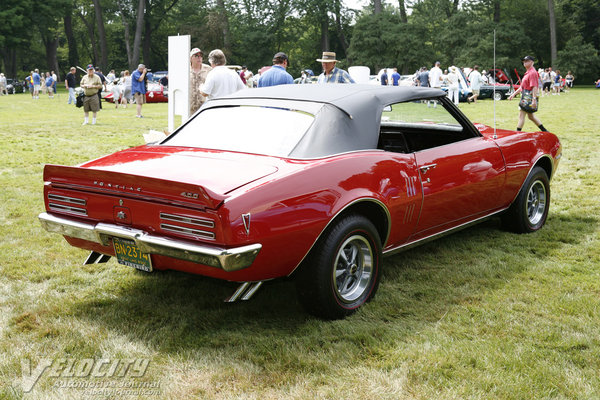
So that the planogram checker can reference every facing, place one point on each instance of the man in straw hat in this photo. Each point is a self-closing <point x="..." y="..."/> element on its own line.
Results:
<point x="332" y="74"/>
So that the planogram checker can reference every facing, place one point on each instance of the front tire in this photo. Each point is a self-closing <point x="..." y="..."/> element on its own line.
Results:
<point x="529" y="211"/>
<point x="342" y="271"/>
<point x="498" y="96"/>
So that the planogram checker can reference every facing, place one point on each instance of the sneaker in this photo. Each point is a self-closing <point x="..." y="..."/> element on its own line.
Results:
<point x="84" y="123"/>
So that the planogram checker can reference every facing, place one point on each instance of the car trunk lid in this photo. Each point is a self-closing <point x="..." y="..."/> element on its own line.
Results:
<point x="196" y="178"/>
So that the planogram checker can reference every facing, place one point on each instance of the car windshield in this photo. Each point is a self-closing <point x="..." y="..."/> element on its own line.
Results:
<point x="249" y="129"/>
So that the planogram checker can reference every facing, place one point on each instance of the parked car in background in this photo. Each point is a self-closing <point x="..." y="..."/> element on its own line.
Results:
<point x="155" y="93"/>
<point x="158" y="75"/>
<point x="358" y="172"/>
<point x="14" y="86"/>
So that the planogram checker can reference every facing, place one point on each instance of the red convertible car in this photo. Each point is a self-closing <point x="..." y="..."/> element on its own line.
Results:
<point x="313" y="182"/>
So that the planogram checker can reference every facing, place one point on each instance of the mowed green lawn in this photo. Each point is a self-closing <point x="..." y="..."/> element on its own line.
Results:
<point x="481" y="314"/>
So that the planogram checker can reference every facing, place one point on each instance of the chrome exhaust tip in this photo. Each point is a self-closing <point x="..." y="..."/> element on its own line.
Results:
<point x="244" y="292"/>
<point x="96" y="258"/>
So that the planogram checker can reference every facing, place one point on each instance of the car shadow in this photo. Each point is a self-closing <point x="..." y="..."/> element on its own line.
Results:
<point x="174" y="311"/>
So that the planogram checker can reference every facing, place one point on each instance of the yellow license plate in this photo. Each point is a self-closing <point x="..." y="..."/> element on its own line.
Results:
<point x="129" y="254"/>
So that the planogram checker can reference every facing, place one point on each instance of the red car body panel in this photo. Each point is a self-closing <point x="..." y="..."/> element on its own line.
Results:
<point x="247" y="217"/>
<point x="291" y="201"/>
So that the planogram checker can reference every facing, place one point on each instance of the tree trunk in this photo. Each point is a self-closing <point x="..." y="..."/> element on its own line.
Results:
<point x="139" y="26"/>
<point x="9" y="55"/>
<point x="73" y="56"/>
<point x="338" y="27"/>
<point x="127" y="36"/>
<point x="147" y="37"/>
<point x="552" y="33"/>
<point x="101" y="35"/>
<point x="51" y="45"/>
<point x="325" y="33"/>
<point x="90" y="29"/>
<point x="377" y="7"/>
<point x="225" y="26"/>
<point x="497" y="11"/>
<point x="402" y="7"/>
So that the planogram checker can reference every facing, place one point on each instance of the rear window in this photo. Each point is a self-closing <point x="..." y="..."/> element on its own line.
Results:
<point x="249" y="129"/>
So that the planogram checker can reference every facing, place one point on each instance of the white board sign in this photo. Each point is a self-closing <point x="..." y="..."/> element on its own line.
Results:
<point x="179" y="78"/>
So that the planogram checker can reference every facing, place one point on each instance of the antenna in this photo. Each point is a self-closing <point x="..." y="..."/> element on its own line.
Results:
<point x="494" y="91"/>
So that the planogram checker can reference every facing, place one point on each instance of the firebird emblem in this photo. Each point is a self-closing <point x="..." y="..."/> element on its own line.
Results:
<point x="246" y="221"/>
<point x="190" y="195"/>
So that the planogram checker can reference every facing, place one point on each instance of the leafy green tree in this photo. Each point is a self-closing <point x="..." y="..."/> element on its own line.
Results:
<point x="15" y="32"/>
<point x="579" y="57"/>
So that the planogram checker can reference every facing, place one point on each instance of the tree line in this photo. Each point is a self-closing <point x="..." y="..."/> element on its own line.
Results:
<point x="408" y="34"/>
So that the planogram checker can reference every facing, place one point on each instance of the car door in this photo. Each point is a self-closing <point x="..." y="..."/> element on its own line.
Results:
<point x="460" y="181"/>
<point x="460" y="172"/>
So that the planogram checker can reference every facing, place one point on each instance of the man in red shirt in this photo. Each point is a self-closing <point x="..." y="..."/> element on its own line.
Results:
<point x="530" y="91"/>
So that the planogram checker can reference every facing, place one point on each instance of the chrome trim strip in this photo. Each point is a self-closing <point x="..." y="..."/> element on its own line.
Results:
<point x="187" y="231"/>
<point x="227" y="259"/>
<point x="205" y="222"/>
<point x="63" y="208"/>
<point x="65" y="199"/>
<point x="427" y="239"/>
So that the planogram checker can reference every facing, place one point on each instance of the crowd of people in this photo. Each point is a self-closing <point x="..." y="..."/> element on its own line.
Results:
<point x="215" y="79"/>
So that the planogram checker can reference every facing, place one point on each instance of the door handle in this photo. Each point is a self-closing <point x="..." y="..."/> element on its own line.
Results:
<point x="426" y="168"/>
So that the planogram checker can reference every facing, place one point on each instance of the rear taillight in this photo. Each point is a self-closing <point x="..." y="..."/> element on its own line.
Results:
<point x="67" y="204"/>
<point x="197" y="227"/>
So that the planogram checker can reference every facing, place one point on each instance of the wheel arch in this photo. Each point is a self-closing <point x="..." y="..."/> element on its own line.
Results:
<point x="375" y="211"/>
<point x="545" y="162"/>
<point x="372" y="209"/>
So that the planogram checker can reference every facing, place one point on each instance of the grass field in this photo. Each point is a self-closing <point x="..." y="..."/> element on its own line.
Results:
<point x="481" y="314"/>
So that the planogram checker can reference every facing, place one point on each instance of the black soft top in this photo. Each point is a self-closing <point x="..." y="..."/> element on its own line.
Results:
<point x="347" y="116"/>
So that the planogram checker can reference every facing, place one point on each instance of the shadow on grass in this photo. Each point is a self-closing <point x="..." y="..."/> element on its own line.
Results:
<point x="173" y="312"/>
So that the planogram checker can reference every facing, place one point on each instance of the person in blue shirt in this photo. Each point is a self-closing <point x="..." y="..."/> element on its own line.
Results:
<point x="37" y="83"/>
<point x="395" y="77"/>
<point x="384" y="77"/>
<point x="138" y="87"/>
<point x="50" y="85"/>
<point x="277" y="74"/>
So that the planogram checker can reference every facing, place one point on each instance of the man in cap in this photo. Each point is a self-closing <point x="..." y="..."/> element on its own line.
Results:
<point x="529" y="90"/>
<point x="90" y="84"/>
<point x="138" y="87"/>
<point x="277" y="75"/>
<point x="198" y="73"/>
<point x="332" y="74"/>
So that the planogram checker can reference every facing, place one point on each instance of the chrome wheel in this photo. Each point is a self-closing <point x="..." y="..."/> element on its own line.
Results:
<point x="498" y="96"/>
<point x="353" y="268"/>
<point x="536" y="202"/>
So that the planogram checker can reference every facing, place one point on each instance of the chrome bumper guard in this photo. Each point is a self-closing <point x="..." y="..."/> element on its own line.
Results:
<point x="227" y="259"/>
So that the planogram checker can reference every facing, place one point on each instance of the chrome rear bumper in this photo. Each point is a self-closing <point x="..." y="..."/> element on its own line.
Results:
<point x="227" y="259"/>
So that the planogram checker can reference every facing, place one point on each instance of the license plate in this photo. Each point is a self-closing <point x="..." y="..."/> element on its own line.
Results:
<point x="129" y="254"/>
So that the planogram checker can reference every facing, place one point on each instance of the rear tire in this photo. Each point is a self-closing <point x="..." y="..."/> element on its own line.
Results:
<point x="529" y="211"/>
<point x="342" y="271"/>
<point x="498" y="96"/>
